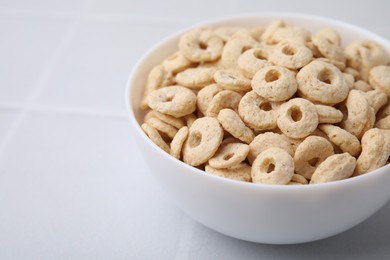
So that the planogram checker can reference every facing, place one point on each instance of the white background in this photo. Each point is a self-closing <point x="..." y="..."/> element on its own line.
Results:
<point x="72" y="185"/>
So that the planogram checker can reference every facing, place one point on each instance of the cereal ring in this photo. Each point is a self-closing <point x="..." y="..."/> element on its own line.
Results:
<point x="331" y="35"/>
<point x="190" y="119"/>
<point x="328" y="49"/>
<point x="350" y="80"/>
<point x="196" y="78"/>
<point x="232" y="80"/>
<point x="298" y="179"/>
<point x="241" y="172"/>
<point x="383" y="112"/>
<point x="227" y="32"/>
<point x="205" y="95"/>
<point x="173" y="121"/>
<point x="352" y="72"/>
<point x="310" y="153"/>
<point x="162" y="127"/>
<point x="358" y="113"/>
<point x="291" y="34"/>
<point x="176" y="63"/>
<point x="274" y="83"/>
<point x="362" y="85"/>
<point x="178" y="141"/>
<point x="201" y="45"/>
<point x="297" y="118"/>
<point x="223" y="99"/>
<point x="176" y="101"/>
<point x="328" y="114"/>
<point x="379" y="78"/>
<point x="253" y="60"/>
<point x="342" y="138"/>
<point x="268" y="140"/>
<point x="273" y="166"/>
<point x="233" y="124"/>
<point x="158" y="77"/>
<point x="205" y="136"/>
<point x="229" y="155"/>
<point x="338" y="64"/>
<point x="234" y="48"/>
<point x="156" y="138"/>
<point x="336" y="167"/>
<point x="291" y="55"/>
<point x="383" y="123"/>
<point x="376" y="98"/>
<point x="322" y="82"/>
<point x="256" y="32"/>
<point x="257" y="112"/>
<point x="271" y="29"/>
<point x="375" y="151"/>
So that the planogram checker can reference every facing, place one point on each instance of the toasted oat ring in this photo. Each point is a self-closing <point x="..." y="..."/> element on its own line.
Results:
<point x="274" y="83"/>
<point x="154" y="135"/>
<point x="229" y="155"/>
<point x="328" y="49"/>
<point x="178" y="141"/>
<point x="176" y="101"/>
<point x="162" y="127"/>
<point x="273" y="166"/>
<point x="196" y="78"/>
<point x="342" y="138"/>
<point x="322" y="82"/>
<point x="358" y="113"/>
<point x="362" y="85"/>
<point x="268" y="140"/>
<point x="204" y="138"/>
<point x="336" y="167"/>
<point x="297" y="118"/>
<point x="240" y="172"/>
<point x="223" y="99"/>
<point x="158" y="77"/>
<point x="176" y="63"/>
<point x="291" y="34"/>
<point x="253" y="60"/>
<point x="298" y="179"/>
<point x="205" y="95"/>
<point x="173" y="121"/>
<point x="190" y="119"/>
<point x="231" y="79"/>
<point x="291" y="55"/>
<point x="310" y="153"/>
<point x="331" y="35"/>
<point x="257" y="112"/>
<point x="234" y="48"/>
<point x="375" y="150"/>
<point x="227" y="32"/>
<point x="201" y="45"/>
<point x="379" y="78"/>
<point x="376" y="98"/>
<point x="233" y="124"/>
<point x="350" y="80"/>
<point x="270" y="30"/>
<point x="383" y="123"/>
<point x="328" y="114"/>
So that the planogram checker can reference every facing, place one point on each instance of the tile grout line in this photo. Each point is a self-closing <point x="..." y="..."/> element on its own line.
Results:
<point x="44" y="76"/>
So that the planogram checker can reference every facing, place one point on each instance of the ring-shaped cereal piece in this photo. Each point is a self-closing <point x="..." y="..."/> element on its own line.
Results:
<point x="268" y="140"/>
<point x="162" y="127"/>
<point x="346" y="141"/>
<point x="229" y="155"/>
<point x="322" y="82"/>
<point x="376" y="98"/>
<point x="173" y="121"/>
<point x="329" y="49"/>
<point x="176" y="63"/>
<point x="257" y="112"/>
<point x="358" y="112"/>
<point x="310" y="153"/>
<point x="205" y="95"/>
<point x="383" y="123"/>
<point x="232" y="79"/>
<point x="155" y="136"/>
<point x="274" y="83"/>
<point x="227" y="32"/>
<point x="240" y="172"/>
<point x="233" y="124"/>
<point x="178" y="141"/>
<point x="253" y="60"/>
<point x="223" y="99"/>
<point x="270" y="30"/>
<point x="336" y="167"/>
<point x="298" y="179"/>
<point x="234" y="48"/>
<point x="196" y="78"/>
<point x="362" y="85"/>
<point x="375" y="150"/>
<point x="331" y="35"/>
<point x="176" y="101"/>
<point x="292" y="34"/>
<point x="328" y="114"/>
<point x="273" y="166"/>
<point x="201" y="45"/>
<point x="297" y="118"/>
<point x="204" y="137"/>
<point x="291" y="55"/>
<point x="379" y="78"/>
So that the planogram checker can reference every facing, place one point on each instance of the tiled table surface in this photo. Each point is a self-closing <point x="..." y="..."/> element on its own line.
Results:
<point x="72" y="185"/>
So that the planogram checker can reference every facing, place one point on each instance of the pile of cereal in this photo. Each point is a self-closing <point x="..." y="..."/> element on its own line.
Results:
<point x="273" y="105"/>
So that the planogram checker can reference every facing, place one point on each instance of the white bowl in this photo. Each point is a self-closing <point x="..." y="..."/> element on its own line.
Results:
<point x="272" y="214"/>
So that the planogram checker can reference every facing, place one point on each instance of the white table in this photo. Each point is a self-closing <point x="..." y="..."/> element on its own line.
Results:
<point x="72" y="185"/>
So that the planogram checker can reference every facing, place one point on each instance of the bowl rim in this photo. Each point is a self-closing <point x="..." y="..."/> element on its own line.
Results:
<point x="221" y="19"/>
